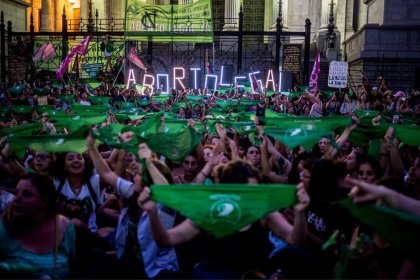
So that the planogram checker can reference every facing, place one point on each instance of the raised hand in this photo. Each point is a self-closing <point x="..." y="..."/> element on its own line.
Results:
<point x="303" y="198"/>
<point x="144" y="200"/>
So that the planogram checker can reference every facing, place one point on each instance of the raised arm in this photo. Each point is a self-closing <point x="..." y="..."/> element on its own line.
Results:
<point x="296" y="234"/>
<point x="364" y="192"/>
<point x="183" y="232"/>
<point x="100" y="164"/>
<point x="146" y="154"/>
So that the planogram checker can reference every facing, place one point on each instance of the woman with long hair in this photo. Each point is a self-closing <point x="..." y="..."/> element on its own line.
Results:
<point x="36" y="241"/>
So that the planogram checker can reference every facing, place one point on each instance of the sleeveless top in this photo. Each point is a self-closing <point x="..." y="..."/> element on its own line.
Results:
<point x="17" y="261"/>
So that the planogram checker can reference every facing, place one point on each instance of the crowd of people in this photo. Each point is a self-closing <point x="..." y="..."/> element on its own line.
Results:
<point x="91" y="214"/>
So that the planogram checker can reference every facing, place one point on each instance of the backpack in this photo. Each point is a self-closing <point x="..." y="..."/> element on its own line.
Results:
<point x="73" y="208"/>
<point x="102" y="46"/>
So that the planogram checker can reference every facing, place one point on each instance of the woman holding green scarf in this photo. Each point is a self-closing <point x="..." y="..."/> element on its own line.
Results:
<point x="235" y="254"/>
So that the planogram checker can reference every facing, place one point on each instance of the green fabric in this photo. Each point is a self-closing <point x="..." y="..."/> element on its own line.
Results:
<point x="293" y="137"/>
<point x="399" y="228"/>
<point x="22" y="109"/>
<point x="99" y="100"/>
<point x="292" y="95"/>
<point x="94" y="84"/>
<point x="375" y="148"/>
<point x="178" y="138"/>
<point x="366" y="113"/>
<point x="194" y="98"/>
<point x="21" y="130"/>
<point x="119" y="85"/>
<point x="223" y="209"/>
<point x="73" y="142"/>
<point x="224" y="90"/>
<point x="242" y="128"/>
<point x="17" y="89"/>
<point x="83" y="109"/>
<point x="66" y="98"/>
<point x="226" y="103"/>
<point x="410" y="135"/>
<point x="124" y="105"/>
<point x="161" y="98"/>
<point x="40" y="91"/>
<point x="76" y="121"/>
<point x="310" y="123"/>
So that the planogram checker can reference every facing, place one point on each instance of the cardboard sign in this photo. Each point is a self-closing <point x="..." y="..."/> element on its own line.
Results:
<point x="337" y="74"/>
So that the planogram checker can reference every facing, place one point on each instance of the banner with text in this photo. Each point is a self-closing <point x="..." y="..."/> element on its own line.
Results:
<point x="337" y="74"/>
<point x="191" y="22"/>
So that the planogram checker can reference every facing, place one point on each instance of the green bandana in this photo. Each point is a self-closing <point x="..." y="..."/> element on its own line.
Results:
<point x="17" y="89"/>
<point x="225" y="208"/>
<point x="293" y="137"/>
<point x="399" y="228"/>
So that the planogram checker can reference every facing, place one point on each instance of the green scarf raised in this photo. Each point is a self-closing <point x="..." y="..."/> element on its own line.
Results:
<point x="225" y="208"/>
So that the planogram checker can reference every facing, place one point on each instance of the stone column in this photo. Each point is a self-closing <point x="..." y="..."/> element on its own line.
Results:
<point x="232" y="14"/>
<point x="47" y="15"/>
<point x="275" y="13"/>
<point x="117" y="9"/>
<point x="285" y="10"/>
<point x="84" y="10"/>
<point x="59" y="4"/>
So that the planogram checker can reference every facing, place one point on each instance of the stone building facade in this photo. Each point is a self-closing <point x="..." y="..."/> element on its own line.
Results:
<point x="376" y="37"/>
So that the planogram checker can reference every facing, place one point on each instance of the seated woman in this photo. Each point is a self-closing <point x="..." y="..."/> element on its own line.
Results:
<point x="246" y="249"/>
<point x="36" y="241"/>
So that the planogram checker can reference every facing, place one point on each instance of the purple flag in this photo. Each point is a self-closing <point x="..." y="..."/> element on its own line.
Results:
<point x="313" y="83"/>
<point x="81" y="48"/>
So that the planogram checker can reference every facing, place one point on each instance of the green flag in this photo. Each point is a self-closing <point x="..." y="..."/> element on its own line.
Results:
<point x="399" y="228"/>
<point x="225" y="208"/>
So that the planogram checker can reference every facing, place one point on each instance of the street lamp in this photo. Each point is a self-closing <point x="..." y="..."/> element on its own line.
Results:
<point x="331" y="36"/>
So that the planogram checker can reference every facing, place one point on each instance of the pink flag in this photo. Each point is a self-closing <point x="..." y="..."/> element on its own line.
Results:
<point x="49" y="53"/>
<point x="39" y="53"/>
<point x="83" y="45"/>
<point x="132" y="57"/>
<point x="81" y="48"/>
<point x="255" y="86"/>
<point x="313" y="83"/>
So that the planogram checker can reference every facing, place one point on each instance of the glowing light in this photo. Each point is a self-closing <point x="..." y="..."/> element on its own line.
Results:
<point x="239" y="78"/>
<point x="165" y="78"/>
<point x="145" y="84"/>
<point x="270" y="79"/>
<point x="195" y="70"/>
<point x="131" y="77"/>
<point x="222" y="77"/>
<point x="179" y="78"/>
<point x="215" y="81"/>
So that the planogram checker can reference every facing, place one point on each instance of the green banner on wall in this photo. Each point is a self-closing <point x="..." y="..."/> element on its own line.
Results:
<point x="191" y="22"/>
